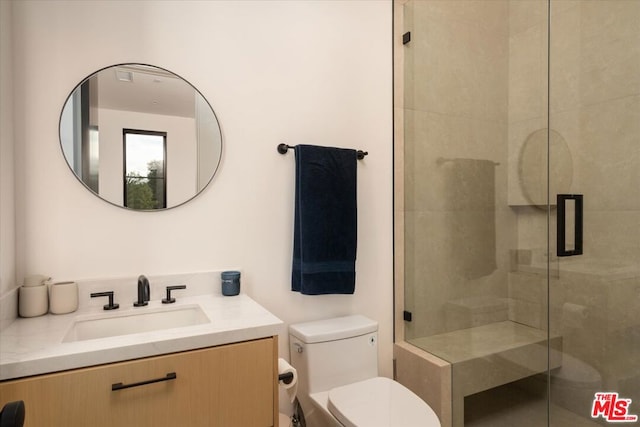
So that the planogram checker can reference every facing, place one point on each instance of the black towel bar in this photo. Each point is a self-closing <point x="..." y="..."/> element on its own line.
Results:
<point x="283" y="148"/>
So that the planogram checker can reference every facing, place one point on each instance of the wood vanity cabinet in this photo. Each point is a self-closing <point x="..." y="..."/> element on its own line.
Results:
<point x="229" y="385"/>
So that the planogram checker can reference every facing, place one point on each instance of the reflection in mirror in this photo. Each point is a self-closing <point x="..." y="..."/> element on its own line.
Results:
<point x="140" y="137"/>
<point x="144" y="165"/>
<point x="534" y="170"/>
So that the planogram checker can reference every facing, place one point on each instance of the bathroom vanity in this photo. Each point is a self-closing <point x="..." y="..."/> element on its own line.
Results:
<point x="222" y="372"/>
<point x="228" y="385"/>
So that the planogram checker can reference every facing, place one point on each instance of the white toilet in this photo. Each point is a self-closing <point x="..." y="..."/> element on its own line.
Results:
<point x="338" y="383"/>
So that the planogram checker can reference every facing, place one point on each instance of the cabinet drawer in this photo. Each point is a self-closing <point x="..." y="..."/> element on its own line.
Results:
<point x="230" y="385"/>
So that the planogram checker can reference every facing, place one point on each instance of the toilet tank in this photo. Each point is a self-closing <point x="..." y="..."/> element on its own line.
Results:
<point x="333" y="352"/>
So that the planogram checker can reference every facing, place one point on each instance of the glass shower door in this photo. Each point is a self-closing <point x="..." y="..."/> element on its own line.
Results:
<point x="505" y="105"/>
<point x="594" y="298"/>
<point x="475" y="207"/>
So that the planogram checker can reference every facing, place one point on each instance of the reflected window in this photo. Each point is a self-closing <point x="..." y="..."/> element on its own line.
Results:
<point x="145" y="182"/>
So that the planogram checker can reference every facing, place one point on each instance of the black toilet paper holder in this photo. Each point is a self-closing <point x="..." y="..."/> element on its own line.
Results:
<point x="287" y="377"/>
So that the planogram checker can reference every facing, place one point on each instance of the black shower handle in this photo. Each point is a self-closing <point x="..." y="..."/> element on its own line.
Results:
<point x="562" y="223"/>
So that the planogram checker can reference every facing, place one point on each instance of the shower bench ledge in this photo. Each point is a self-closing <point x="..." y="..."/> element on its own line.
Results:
<point x="491" y="355"/>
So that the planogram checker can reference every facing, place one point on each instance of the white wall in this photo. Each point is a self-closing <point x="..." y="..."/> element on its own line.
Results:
<point x="315" y="72"/>
<point x="7" y="206"/>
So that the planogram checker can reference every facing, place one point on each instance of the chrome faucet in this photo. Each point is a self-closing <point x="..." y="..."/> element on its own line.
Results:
<point x="144" y="293"/>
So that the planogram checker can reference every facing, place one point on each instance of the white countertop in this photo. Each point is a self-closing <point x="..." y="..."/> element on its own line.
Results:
<point x="31" y="346"/>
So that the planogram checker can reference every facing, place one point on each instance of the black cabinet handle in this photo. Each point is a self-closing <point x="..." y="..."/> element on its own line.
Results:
<point x="562" y="224"/>
<point x="119" y="386"/>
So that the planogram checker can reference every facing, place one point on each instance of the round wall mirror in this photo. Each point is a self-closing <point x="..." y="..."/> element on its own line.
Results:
<point x="537" y="158"/>
<point x="140" y="137"/>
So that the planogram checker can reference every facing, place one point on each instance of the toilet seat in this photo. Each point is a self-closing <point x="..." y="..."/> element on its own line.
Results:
<point x="379" y="402"/>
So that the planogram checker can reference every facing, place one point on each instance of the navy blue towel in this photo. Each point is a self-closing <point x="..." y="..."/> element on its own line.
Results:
<point x="325" y="235"/>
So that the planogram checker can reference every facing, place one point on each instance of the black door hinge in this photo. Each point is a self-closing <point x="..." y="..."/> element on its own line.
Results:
<point x="406" y="37"/>
<point x="406" y="315"/>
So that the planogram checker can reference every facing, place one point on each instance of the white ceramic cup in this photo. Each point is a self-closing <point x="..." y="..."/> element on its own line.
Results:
<point x="63" y="297"/>
<point x="33" y="301"/>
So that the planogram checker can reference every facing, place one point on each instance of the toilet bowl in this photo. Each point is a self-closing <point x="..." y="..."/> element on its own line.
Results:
<point x="338" y="383"/>
<point x="379" y="401"/>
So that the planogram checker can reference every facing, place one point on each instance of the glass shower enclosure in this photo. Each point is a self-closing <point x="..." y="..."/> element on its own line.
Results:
<point x="517" y="209"/>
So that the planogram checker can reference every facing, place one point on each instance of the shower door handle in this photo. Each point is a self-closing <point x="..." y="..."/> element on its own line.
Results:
<point x="576" y="249"/>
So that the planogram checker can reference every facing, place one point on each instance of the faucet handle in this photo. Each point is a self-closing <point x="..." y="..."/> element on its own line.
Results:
<point x="168" y="299"/>
<point x="111" y="305"/>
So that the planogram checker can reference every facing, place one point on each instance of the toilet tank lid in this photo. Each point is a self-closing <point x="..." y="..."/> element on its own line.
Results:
<point x="333" y="329"/>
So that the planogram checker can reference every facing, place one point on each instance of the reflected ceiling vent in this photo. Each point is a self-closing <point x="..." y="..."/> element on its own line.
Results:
<point x="124" y="76"/>
<point x="147" y="70"/>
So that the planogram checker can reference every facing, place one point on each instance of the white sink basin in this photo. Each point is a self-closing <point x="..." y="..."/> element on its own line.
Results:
<point x="135" y="321"/>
